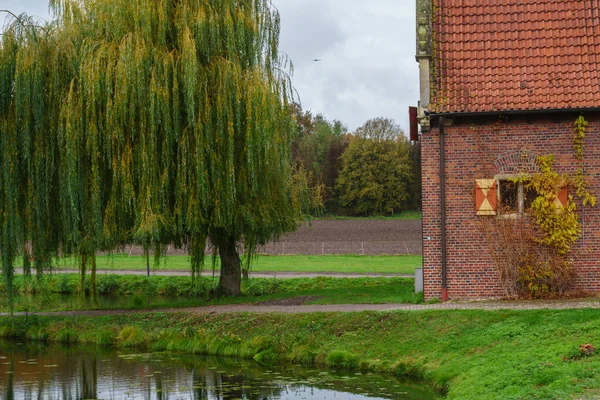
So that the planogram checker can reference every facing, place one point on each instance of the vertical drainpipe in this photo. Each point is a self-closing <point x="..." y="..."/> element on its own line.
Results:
<point x="423" y="55"/>
<point x="443" y="209"/>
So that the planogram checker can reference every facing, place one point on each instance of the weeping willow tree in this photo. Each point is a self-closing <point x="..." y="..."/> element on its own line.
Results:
<point x="148" y="121"/>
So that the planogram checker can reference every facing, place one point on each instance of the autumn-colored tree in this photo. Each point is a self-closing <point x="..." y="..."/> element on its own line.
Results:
<point x="376" y="173"/>
<point x="318" y="145"/>
<point x="414" y="154"/>
<point x="155" y="121"/>
<point x="379" y="129"/>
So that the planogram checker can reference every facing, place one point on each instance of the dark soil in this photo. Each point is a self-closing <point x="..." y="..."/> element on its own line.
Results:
<point x="369" y="237"/>
<point x="357" y="230"/>
<point x="327" y="237"/>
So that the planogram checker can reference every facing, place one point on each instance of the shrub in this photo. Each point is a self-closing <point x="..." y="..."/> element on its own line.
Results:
<point x="168" y="287"/>
<point x="66" y="285"/>
<point x="108" y="284"/>
<point x="261" y="287"/>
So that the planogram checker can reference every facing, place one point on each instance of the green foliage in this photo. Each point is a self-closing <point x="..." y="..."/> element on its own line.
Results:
<point x="104" y="338"/>
<point x="579" y="136"/>
<point x="109" y="284"/>
<point x="578" y="147"/>
<point x="262" y="287"/>
<point x="131" y="336"/>
<point x="342" y="360"/>
<point x="37" y="334"/>
<point x="303" y="354"/>
<point x="149" y="121"/>
<point x="376" y="174"/>
<point x="318" y="145"/>
<point x="67" y="335"/>
<point x="560" y="226"/>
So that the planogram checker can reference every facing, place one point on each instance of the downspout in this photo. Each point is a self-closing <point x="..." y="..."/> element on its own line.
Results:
<point x="443" y="209"/>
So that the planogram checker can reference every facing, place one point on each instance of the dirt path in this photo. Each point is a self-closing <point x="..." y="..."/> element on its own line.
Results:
<point x="274" y="274"/>
<point x="308" y="308"/>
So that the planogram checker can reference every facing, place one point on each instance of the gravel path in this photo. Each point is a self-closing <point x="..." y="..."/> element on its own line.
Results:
<point x="295" y="309"/>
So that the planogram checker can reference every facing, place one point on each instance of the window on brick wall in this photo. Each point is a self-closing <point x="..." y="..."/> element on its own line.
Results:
<point x="513" y="196"/>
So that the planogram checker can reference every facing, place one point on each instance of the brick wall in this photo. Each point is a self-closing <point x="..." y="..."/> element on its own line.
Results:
<point x="483" y="148"/>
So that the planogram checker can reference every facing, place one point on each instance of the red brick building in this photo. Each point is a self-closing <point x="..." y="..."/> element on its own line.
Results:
<point x="501" y="83"/>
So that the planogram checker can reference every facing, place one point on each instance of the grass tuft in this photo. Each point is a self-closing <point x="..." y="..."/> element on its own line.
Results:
<point x="67" y="335"/>
<point x="341" y="359"/>
<point x="131" y="336"/>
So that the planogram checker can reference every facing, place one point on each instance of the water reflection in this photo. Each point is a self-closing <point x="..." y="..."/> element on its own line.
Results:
<point x="36" y="372"/>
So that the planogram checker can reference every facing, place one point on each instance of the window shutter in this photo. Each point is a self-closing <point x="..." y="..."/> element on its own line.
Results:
<point x="485" y="196"/>
<point x="561" y="199"/>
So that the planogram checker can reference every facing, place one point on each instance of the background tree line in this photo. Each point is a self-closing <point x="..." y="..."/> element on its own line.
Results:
<point x="372" y="171"/>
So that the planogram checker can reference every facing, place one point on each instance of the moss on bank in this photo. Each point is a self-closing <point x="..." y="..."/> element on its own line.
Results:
<point x="474" y="354"/>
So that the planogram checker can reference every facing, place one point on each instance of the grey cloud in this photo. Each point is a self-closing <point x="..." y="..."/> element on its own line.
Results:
<point x="369" y="71"/>
<point x="308" y="30"/>
<point x="367" y="50"/>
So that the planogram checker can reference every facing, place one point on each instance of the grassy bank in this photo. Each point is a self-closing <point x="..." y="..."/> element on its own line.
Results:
<point x="58" y="292"/>
<point x="352" y="264"/>
<point x="473" y="354"/>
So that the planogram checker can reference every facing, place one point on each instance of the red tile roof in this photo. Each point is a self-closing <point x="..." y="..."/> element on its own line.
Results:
<point x="497" y="55"/>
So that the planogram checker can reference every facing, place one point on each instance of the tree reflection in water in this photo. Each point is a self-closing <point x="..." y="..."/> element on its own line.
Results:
<point x="36" y="372"/>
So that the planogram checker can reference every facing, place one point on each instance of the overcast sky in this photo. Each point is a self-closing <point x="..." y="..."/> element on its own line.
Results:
<point x="367" y="49"/>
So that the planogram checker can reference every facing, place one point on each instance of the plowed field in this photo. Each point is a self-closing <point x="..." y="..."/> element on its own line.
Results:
<point x="351" y="237"/>
<point x="369" y="237"/>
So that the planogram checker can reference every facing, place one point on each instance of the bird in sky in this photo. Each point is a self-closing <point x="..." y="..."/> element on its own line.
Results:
<point x="316" y="59"/>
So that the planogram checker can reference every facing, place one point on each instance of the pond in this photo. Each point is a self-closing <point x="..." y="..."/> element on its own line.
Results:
<point x="53" y="372"/>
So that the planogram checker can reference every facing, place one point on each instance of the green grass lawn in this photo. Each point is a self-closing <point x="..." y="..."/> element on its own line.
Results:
<point x="58" y="292"/>
<point x="355" y="264"/>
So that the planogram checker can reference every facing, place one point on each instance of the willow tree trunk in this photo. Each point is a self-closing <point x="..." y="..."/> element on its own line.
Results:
<point x="82" y="269"/>
<point x="94" y="287"/>
<point x="231" y="271"/>
<point x="26" y="261"/>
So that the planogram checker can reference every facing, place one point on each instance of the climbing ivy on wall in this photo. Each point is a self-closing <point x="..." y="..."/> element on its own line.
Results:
<point x="559" y="226"/>
<point x="578" y="147"/>
<point x="532" y="253"/>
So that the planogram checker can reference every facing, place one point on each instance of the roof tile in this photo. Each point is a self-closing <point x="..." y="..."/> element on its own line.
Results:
<point x="531" y="54"/>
